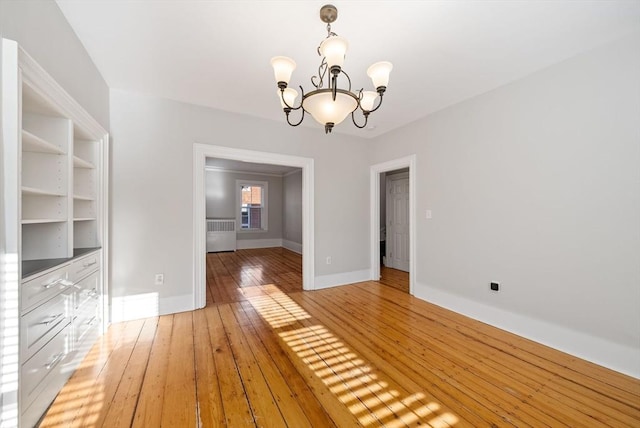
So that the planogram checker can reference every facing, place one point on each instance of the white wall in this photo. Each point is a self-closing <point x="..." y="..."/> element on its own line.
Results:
<point x="152" y="207"/>
<point x="221" y="192"/>
<point x="44" y="33"/>
<point x="536" y="185"/>
<point x="292" y="210"/>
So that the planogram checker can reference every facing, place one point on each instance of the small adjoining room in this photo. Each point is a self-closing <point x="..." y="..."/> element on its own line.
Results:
<point x="301" y="214"/>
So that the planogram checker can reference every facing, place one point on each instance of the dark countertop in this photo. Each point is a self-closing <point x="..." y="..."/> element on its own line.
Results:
<point x="32" y="267"/>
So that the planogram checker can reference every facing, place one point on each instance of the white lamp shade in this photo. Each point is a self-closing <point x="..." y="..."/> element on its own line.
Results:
<point x="334" y="49"/>
<point x="325" y="110"/>
<point x="368" y="98"/>
<point x="289" y="96"/>
<point x="379" y="73"/>
<point x="282" y="68"/>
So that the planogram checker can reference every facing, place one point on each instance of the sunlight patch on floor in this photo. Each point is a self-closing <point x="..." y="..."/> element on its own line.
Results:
<point x="349" y="378"/>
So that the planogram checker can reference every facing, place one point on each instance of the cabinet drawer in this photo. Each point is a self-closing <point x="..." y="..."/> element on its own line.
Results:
<point x="86" y="321"/>
<point x="41" y="324"/>
<point x="87" y="290"/>
<point x="84" y="266"/>
<point x="44" y="371"/>
<point x="44" y="287"/>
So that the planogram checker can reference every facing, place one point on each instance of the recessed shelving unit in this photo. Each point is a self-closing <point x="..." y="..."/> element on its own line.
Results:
<point x="54" y="181"/>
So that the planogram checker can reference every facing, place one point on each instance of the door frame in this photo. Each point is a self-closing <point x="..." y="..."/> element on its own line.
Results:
<point x="374" y="209"/>
<point x="203" y="151"/>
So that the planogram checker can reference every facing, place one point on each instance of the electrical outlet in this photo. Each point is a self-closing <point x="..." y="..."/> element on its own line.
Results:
<point x="329" y="260"/>
<point x="494" y="286"/>
<point x="159" y="278"/>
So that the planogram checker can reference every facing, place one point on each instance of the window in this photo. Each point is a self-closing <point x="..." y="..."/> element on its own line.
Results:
<point x="252" y="197"/>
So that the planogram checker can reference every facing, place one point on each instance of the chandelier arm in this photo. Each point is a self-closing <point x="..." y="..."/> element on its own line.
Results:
<point x="353" y="118"/>
<point x="348" y="79"/>
<point x="301" y="118"/>
<point x="379" y="104"/>
<point x="285" y="102"/>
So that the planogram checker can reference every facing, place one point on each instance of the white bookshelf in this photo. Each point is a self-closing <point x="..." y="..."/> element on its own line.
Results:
<point x="54" y="180"/>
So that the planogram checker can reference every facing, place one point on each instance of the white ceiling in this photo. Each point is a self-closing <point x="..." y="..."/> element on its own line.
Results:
<point x="216" y="53"/>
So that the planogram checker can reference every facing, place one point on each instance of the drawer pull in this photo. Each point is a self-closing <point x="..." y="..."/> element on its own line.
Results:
<point x="93" y="293"/>
<point x="61" y="281"/>
<point x="48" y="285"/>
<point x="66" y="283"/>
<point x="92" y="321"/>
<point x="54" y="319"/>
<point x="86" y="265"/>
<point x="56" y="360"/>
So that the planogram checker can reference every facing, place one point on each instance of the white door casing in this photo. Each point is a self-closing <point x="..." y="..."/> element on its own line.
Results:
<point x="374" y="219"/>
<point x="200" y="153"/>
<point x="398" y="236"/>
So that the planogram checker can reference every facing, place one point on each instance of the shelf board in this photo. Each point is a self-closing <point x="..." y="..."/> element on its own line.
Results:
<point x="81" y="163"/>
<point x="39" y="192"/>
<point x="84" y="219"/>
<point x="83" y="198"/>
<point x="33" y="143"/>
<point x="42" y="220"/>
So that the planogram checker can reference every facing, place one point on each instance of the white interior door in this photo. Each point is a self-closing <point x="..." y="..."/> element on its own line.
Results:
<point x="398" y="222"/>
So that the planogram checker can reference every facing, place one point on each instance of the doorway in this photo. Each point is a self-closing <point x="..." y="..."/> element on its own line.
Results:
<point x="407" y="190"/>
<point x="203" y="151"/>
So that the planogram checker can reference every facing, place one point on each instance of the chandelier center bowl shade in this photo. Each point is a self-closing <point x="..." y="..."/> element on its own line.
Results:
<point x="329" y="104"/>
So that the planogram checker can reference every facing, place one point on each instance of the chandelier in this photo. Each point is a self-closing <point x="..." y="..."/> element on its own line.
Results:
<point x="328" y="104"/>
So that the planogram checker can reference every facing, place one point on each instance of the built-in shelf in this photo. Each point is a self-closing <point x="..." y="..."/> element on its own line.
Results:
<point x="81" y="163"/>
<point x="33" y="143"/>
<point x="42" y="220"/>
<point x="83" y="198"/>
<point x="39" y="192"/>
<point x="51" y="150"/>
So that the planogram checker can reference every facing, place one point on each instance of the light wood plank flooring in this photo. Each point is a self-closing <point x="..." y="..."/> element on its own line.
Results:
<point x="264" y="353"/>
<point x="394" y="278"/>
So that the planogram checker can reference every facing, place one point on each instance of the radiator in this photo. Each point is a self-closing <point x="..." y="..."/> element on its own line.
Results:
<point x="221" y="235"/>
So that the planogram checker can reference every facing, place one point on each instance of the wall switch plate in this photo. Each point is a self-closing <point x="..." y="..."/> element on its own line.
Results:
<point x="159" y="279"/>
<point x="494" y="286"/>
<point x="329" y="260"/>
<point x="428" y="214"/>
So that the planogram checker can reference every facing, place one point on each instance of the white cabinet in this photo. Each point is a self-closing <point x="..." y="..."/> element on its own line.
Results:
<point x="53" y="294"/>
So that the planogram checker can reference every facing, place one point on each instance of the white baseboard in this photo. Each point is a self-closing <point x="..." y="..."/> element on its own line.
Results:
<point x="246" y="244"/>
<point x="334" y="280"/>
<point x="293" y="246"/>
<point x="148" y="305"/>
<point x="597" y="350"/>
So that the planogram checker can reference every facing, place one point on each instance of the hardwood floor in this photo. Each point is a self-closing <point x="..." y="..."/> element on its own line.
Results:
<point x="394" y="278"/>
<point x="264" y="353"/>
<point x="231" y="276"/>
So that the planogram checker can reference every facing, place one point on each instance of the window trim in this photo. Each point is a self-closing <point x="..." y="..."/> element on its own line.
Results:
<point x="264" y="217"/>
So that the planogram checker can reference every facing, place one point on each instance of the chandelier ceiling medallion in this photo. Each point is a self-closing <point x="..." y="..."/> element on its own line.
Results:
<point x="328" y="104"/>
